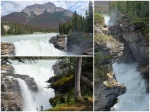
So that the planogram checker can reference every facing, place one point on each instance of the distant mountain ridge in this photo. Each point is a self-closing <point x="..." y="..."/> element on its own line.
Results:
<point x="44" y="15"/>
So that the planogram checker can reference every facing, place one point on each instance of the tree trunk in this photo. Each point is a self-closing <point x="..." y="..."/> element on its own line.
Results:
<point x="78" y="96"/>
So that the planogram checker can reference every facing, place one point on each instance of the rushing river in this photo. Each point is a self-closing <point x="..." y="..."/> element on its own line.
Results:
<point x="135" y="98"/>
<point x="41" y="72"/>
<point x="34" y="45"/>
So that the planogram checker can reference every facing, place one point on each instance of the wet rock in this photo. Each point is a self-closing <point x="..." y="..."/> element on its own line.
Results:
<point x="7" y="68"/>
<point x="11" y="97"/>
<point x="136" y="47"/>
<point x="28" y="80"/>
<point x="7" y="49"/>
<point x="106" y="97"/>
<point x="59" y="42"/>
<point x="31" y="84"/>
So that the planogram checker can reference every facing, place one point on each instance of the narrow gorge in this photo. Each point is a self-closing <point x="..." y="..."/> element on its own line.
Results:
<point x="123" y="54"/>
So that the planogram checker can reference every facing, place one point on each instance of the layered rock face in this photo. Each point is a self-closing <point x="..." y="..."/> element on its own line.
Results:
<point x="7" y="48"/>
<point x="11" y="94"/>
<point x="11" y="97"/>
<point x="107" y="88"/>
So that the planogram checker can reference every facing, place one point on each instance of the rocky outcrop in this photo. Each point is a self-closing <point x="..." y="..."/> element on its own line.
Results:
<point x="7" y="48"/>
<point x="59" y="42"/>
<point x="107" y="88"/>
<point x="11" y="97"/>
<point x="28" y="80"/>
<point x="106" y="97"/>
<point x="132" y="37"/>
<point x="7" y="68"/>
<point x="80" y="43"/>
<point x="109" y="46"/>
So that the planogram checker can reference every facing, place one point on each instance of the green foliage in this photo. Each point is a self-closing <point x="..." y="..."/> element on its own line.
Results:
<point x="102" y="38"/>
<point x="137" y="11"/>
<point x="64" y="83"/>
<point x="98" y="18"/>
<point x="56" y="100"/>
<point x="101" y="69"/>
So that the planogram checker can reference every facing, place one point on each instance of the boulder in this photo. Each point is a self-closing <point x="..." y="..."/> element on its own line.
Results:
<point x="7" y="49"/>
<point x="59" y="42"/>
<point x="7" y="68"/>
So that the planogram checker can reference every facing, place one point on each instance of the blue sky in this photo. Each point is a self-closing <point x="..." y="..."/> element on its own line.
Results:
<point x="8" y="7"/>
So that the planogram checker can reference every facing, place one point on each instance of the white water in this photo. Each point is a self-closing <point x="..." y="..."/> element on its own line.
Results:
<point x="135" y="98"/>
<point x="27" y="96"/>
<point x="106" y="19"/>
<point x="41" y="72"/>
<point x="34" y="45"/>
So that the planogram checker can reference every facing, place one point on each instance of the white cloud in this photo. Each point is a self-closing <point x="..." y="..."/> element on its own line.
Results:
<point x="61" y="4"/>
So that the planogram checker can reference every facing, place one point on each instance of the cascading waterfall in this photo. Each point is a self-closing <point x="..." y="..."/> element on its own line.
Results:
<point x="27" y="96"/>
<point x="135" y="98"/>
<point x="34" y="45"/>
<point x="41" y="72"/>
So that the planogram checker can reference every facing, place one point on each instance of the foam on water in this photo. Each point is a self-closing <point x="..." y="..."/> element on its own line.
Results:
<point x="34" y="45"/>
<point x="135" y="98"/>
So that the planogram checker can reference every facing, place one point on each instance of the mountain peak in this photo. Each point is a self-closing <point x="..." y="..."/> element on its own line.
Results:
<point x="50" y="3"/>
<point x="37" y="9"/>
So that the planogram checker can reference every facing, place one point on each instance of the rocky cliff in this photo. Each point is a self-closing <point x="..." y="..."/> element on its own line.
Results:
<point x="107" y="88"/>
<point x="11" y="94"/>
<point x="136" y="45"/>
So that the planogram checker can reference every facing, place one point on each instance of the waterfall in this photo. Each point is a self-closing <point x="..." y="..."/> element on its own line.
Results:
<point x="41" y="72"/>
<point x="106" y="19"/>
<point x="36" y="48"/>
<point x="34" y="45"/>
<point x="27" y="96"/>
<point x="135" y="98"/>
